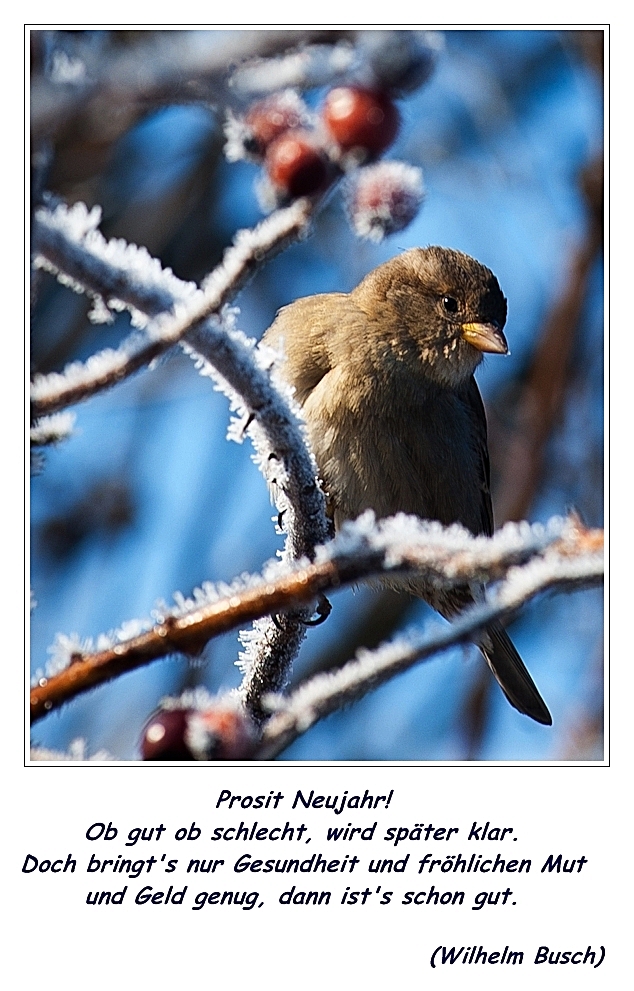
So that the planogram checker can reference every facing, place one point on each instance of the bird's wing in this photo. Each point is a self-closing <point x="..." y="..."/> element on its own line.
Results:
<point x="479" y="425"/>
<point x="496" y="645"/>
<point x="303" y="330"/>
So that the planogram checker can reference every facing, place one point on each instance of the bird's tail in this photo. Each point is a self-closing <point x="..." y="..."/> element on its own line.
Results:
<point x="512" y="675"/>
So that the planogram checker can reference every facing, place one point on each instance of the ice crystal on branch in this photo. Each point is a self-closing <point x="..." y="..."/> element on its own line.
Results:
<point x="392" y="548"/>
<point x="66" y="70"/>
<point x="311" y="66"/>
<point x="77" y="751"/>
<point x="575" y="558"/>
<point x="52" y="429"/>
<point x="68" y="242"/>
<point x="121" y="275"/>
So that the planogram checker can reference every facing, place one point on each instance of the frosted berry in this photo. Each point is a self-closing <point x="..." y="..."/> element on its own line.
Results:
<point x="295" y="165"/>
<point x="360" y="118"/>
<point x="250" y="135"/>
<point x="384" y="198"/>
<point x="269" y="118"/>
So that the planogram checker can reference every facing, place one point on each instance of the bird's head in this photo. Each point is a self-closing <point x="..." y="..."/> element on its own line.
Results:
<point x="448" y="306"/>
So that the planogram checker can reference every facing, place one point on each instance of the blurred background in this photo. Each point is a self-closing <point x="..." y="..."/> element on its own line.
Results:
<point x="148" y="497"/>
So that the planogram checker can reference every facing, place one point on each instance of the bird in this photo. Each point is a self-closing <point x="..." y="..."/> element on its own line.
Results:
<point x="384" y="376"/>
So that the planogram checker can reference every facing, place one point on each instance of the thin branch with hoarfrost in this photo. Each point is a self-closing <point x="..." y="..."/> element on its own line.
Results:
<point x="52" y="429"/>
<point x="400" y="546"/>
<point x="400" y="59"/>
<point x="119" y="275"/>
<point x="267" y="411"/>
<point x="77" y="751"/>
<point x="565" y="564"/>
<point x="271" y="418"/>
<point x="305" y="68"/>
<point x="165" y="67"/>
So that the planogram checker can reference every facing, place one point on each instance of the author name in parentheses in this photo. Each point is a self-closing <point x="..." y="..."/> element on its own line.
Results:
<point x="460" y="955"/>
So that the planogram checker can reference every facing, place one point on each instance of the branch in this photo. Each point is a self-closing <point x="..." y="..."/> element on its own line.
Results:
<point x="165" y="67"/>
<point x="269" y="415"/>
<point x="52" y="429"/>
<point x="576" y="563"/>
<point x="303" y="68"/>
<point x="68" y="243"/>
<point x="245" y="374"/>
<point x="399" y="546"/>
<point x="77" y="751"/>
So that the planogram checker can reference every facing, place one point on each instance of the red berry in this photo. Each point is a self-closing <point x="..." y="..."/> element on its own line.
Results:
<point x="269" y="118"/>
<point x="224" y="734"/>
<point x="295" y="165"/>
<point x="164" y="737"/>
<point x="218" y="733"/>
<point x="361" y="118"/>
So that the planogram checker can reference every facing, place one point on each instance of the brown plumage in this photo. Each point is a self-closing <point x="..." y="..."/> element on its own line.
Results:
<point x="384" y="375"/>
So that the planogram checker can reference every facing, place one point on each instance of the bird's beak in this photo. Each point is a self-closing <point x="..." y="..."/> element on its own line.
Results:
<point x="485" y="337"/>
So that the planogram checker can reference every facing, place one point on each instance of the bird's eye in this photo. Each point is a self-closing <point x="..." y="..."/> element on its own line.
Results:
<point x="450" y="304"/>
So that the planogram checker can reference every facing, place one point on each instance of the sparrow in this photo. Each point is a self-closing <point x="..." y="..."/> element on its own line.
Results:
<point x="385" y="379"/>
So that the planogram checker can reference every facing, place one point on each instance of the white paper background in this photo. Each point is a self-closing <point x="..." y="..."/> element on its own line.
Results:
<point x="55" y="940"/>
<point x="552" y="810"/>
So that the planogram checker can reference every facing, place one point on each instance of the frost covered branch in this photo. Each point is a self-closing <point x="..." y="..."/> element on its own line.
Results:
<point x="303" y="68"/>
<point x="399" y="546"/>
<point x="244" y="373"/>
<point x="68" y="243"/>
<point x="163" y="67"/>
<point x="569" y="563"/>
<point x="77" y="751"/>
<point x="267" y="413"/>
<point x="52" y="429"/>
<point x="372" y="58"/>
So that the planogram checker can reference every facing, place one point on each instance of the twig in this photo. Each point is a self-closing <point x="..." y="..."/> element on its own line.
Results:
<point x="168" y="67"/>
<point x="401" y="545"/>
<point x="52" y="429"/>
<point x="304" y="68"/>
<point x="326" y="693"/>
<point x="68" y="243"/>
<point x="273" y="426"/>
<point x="77" y="249"/>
